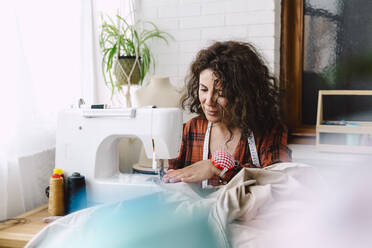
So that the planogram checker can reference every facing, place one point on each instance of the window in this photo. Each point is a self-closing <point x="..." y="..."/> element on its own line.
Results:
<point x="325" y="45"/>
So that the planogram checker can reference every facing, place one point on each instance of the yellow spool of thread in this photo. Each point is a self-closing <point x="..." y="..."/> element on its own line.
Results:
<point x="58" y="171"/>
<point x="56" y="206"/>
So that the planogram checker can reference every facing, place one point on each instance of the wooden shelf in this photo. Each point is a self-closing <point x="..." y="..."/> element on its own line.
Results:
<point x="303" y="131"/>
<point x="344" y="148"/>
<point x="364" y="127"/>
<point x="360" y="144"/>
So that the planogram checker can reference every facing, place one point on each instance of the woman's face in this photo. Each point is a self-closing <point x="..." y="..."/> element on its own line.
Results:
<point x="210" y="96"/>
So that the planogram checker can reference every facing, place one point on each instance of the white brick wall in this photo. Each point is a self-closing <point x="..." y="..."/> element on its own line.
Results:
<point x="197" y="23"/>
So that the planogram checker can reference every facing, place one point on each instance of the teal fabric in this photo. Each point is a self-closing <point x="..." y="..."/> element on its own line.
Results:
<point x="143" y="222"/>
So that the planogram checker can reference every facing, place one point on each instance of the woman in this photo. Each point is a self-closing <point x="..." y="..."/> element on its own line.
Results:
<point x="237" y="101"/>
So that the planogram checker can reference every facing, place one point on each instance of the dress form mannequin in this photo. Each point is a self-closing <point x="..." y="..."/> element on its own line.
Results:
<point x="160" y="93"/>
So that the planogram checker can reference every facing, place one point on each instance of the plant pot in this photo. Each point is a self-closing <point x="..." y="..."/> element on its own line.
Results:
<point x="127" y="63"/>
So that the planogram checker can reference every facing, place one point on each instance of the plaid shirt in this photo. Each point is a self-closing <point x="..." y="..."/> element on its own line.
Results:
<point x="271" y="149"/>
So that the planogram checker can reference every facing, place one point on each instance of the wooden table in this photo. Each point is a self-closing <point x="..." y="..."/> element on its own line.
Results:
<point x="18" y="234"/>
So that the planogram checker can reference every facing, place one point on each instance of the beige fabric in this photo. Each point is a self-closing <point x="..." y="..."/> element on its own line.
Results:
<point x="257" y="201"/>
<point x="252" y="188"/>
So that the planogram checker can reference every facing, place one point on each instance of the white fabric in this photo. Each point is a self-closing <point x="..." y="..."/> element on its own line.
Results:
<point x="243" y="213"/>
<point x="41" y="73"/>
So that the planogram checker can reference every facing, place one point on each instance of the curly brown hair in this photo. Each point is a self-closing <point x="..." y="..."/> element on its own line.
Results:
<point x="252" y="92"/>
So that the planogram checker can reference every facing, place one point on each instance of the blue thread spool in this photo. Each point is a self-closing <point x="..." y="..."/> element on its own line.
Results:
<point x="76" y="192"/>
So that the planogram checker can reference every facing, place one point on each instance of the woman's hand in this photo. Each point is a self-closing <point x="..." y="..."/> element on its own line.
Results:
<point x="196" y="172"/>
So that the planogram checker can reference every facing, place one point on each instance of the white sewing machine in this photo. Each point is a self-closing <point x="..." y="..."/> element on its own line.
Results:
<point x="87" y="142"/>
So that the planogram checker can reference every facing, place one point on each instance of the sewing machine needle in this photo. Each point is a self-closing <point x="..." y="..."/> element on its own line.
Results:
<point x="154" y="165"/>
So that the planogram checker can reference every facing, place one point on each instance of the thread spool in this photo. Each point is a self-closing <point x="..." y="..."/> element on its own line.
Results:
<point x="58" y="171"/>
<point x="76" y="192"/>
<point x="56" y="206"/>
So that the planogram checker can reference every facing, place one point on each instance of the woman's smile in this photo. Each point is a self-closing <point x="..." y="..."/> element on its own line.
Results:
<point x="212" y="113"/>
<point x="210" y="96"/>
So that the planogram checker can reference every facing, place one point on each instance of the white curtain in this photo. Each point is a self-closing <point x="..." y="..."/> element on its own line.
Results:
<point x="47" y="62"/>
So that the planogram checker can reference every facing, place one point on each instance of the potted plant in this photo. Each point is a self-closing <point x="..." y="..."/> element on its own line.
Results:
<point x="126" y="52"/>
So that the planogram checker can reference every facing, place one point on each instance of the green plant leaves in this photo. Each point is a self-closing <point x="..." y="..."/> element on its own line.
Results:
<point x="123" y="39"/>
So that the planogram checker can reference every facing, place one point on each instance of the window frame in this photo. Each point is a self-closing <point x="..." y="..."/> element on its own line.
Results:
<point x="291" y="66"/>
